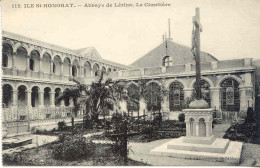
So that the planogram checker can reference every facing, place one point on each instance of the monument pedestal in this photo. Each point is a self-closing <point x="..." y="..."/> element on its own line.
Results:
<point x="199" y="143"/>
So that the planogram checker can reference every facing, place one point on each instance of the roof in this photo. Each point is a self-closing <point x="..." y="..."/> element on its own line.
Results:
<point x="180" y="55"/>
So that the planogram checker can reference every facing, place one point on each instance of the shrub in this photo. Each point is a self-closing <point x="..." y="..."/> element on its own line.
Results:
<point x="181" y="117"/>
<point x="72" y="148"/>
<point x="61" y="125"/>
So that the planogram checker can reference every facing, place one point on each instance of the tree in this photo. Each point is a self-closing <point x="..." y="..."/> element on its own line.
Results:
<point x="98" y="98"/>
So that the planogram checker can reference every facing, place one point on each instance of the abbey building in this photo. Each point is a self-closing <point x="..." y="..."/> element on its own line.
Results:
<point x="35" y="73"/>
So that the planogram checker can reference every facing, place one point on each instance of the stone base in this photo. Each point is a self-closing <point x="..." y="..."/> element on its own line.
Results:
<point x="199" y="140"/>
<point x="218" y="146"/>
<point x="221" y="150"/>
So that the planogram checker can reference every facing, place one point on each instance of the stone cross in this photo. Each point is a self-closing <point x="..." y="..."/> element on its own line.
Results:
<point x="197" y="28"/>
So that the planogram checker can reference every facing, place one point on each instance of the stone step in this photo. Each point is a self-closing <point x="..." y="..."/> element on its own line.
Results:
<point x="218" y="146"/>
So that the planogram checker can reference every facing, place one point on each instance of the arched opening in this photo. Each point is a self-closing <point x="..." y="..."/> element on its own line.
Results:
<point x="22" y="96"/>
<point x="5" y="60"/>
<point x="167" y="61"/>
<point x="202" y="127"/>
<point x="153" y="97"/>
<point x="47" y="91"/>
<point x="96" y="69"/>
<point x="192" y="127"/>
<point x="75" y="66"/>
<point x="205" y="90"/>
<point x="57" y="65"/>
<point x="176" y="96"/>
<point x="87" y="69"/>
<point x="133" y="98"/>
<point x="108" y="71"/>
<point x="66" y="100"/>
<point x="7" y="52"/>
<point x="230" y="99"/>
<point x="34" y="61"/>
<point x="35" y="96"/>
<point x="7" y="95"/>
<point x="31" y="64"/>
<point x="54" y="68"/>
<point x="57" y="94"/>
<point x="66" y="67"/>
<point x="104" y="70"/>
<point x="74" y="71"/>
<point x="21" y="58"/>
<point x="46" y="63"/>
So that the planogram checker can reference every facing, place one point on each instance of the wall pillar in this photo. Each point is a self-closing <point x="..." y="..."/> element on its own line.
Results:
<point x="52" y="99"/>
<point x="187" y="92"/>
<point x="215" y="100"/>
<point x="208" y="132"/>
<point x="41" y="98"/>
<point x="14" y="97"/>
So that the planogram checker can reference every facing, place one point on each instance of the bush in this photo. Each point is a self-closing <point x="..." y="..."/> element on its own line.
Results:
<point x="181" y="117"/>
<point x="72" y="148"/>
<point x="61" y="125"/>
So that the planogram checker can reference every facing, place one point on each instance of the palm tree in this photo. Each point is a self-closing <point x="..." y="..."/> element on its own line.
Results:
<point x="98" y="98"/>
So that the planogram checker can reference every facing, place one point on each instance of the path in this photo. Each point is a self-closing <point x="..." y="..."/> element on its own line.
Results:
<point x="250" y="153"/>
<point x="141" y="152"/>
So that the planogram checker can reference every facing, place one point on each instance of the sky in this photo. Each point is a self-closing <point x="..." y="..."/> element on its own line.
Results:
<point x="124" y="34"/>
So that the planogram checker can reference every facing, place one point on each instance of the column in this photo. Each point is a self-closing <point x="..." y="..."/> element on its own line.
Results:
<point x="71" y="103"/>
<point x="165" y="106"/>
<point x="41" y="98"/>
<point x="187" y="128"/>
<point x="70" y="69"/>
<point x="40" y="65"/>
<point x="13" y="63"/>
<point x="51" y="67"/>
<point x="29" y="98"/>
<point x="91" y="72"/>
<point x="40" y="68"/>
<point x="61" y="69"/>
<point x="14" y="97"/>
<point x="197" y="128"/>
<point x="28" y="63"/>
<point x="52" y="99"/>
<point x="62" y="103"/>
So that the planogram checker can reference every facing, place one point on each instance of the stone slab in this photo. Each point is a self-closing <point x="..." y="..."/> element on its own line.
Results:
<point x="232" y="154"/>
<point x="199" y="140"/>
<point x="218" y="146"/>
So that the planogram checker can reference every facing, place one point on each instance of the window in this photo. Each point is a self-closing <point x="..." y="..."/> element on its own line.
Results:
<point x="167" y="61"/>
<point x="230" y="99"/>
<point x="153" y="97"/>
<point x="176" y="96"/>
<point x="31" y="64"/>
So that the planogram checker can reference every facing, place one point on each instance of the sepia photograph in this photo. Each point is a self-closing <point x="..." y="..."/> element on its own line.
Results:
<point x="130" y="83"/>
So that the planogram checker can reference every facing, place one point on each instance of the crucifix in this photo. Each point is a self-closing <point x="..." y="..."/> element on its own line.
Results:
<point x="197" y="28"/>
